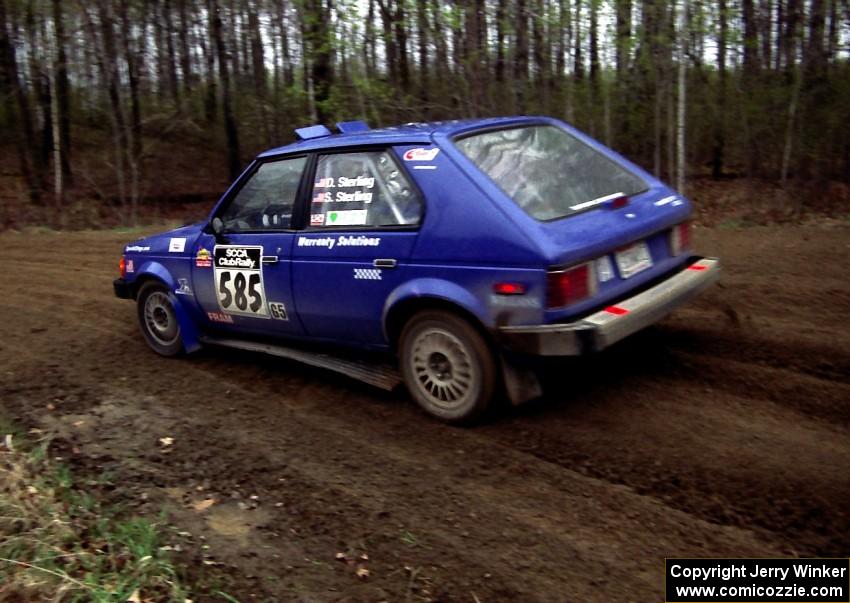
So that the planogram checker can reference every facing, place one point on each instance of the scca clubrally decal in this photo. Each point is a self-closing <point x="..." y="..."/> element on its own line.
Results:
<point x="238" y="272"/>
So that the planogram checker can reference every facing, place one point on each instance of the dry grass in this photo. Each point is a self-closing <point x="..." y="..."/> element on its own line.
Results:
<point x="58" y="543"/>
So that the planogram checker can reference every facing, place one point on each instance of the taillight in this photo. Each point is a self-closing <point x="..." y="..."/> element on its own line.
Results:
<point x="509" y="289"/>
<point x="564" y="287"/>
<point x="680" y="238"/>
<point x="122" y="267"/>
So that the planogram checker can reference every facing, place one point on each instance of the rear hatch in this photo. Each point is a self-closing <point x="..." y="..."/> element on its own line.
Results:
<point x="625" y="247"/>
<point x="595" y="216"/>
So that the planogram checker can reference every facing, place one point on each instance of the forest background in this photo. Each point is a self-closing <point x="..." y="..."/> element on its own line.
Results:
<point x="123" y="111"/>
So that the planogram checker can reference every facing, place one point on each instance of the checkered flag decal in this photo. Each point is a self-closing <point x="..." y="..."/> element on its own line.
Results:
<point x="367" y="274"/>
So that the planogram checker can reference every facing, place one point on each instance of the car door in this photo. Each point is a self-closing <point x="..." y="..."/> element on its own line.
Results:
<point x="364" y="214"/>
<point x="243" y="277"/>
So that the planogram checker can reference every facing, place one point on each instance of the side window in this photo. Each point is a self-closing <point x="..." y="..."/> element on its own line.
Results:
<point x="362" y="189"/>
<point x="266" y="200"/>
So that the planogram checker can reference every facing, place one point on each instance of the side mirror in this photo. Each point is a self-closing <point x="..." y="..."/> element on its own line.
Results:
<point x="217" y="226"/>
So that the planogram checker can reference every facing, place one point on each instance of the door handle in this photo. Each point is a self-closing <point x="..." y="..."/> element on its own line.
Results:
<point x="269" y="259"/>
<point x="384" y="263"/>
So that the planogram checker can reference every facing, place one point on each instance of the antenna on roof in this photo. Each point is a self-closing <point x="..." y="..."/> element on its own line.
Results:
<point x="350" y="127"/>
<point x="309" y="132"/>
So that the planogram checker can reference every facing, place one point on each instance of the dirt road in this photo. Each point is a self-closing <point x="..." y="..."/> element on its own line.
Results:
<point x="724" y="431"/>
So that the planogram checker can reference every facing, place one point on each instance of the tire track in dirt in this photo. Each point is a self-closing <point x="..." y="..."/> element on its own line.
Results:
<point x="675" y="443"/>
<point x="405" y="466"/>
<point x="494" y="500"/>
<point x="814" y="357"/>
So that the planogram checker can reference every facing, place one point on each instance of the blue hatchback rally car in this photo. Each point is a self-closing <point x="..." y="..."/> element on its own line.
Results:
<point x="461" y="247"/>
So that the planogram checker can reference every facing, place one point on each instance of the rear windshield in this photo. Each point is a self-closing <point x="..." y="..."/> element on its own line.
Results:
<point x="546" y="171"/>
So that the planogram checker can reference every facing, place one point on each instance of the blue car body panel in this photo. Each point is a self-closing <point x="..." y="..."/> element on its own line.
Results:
<point x="471" y="236"/>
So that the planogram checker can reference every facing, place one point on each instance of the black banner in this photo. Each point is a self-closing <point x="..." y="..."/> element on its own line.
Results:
<point x="757" y="580"/>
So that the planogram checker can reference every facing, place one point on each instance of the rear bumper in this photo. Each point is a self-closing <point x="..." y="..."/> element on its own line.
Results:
<point x="606" y="327"/>
<point x="122" y="289"/>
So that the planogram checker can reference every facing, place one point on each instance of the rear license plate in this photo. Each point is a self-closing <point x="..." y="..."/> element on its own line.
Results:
<point x="633" y="259"/>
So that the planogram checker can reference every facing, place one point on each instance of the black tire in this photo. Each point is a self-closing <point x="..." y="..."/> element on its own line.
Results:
<point x="158" y="320"/>
<point x="448" y="367"/>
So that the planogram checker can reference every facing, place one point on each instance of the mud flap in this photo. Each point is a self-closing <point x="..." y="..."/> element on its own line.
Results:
<point x="188" y="329"/>
<point x="521" y="383"/>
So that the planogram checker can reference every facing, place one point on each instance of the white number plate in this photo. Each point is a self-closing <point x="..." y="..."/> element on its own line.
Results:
<point x="238" y="271"/>
<point x="633" y="259"/>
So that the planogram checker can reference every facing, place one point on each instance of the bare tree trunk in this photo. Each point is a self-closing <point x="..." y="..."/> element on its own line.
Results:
<point x="499" y="67"/>
<point x="171" y="55"/>
<point x="624" y="34"/>
<point x="422" y="28"/>
<point x="720" y="115"/>
<point x="401" y="38"/>
<point x="789" y="127"/>
<point x="58" y="185"/>
<point x="185" y="53"/>
<point x="62" y="94"/>
<point x="258" y="66"/>
<point x="766" y="22"/>
<point x="578" y="59"/>
<point x="594" y="61"/>
<point x="792" y="24"/>
<point x="231" y="132"/>
<point x="681" y="155"/>
<point x="40" y="82"/>
<point x="520" y="58"/>
<point x="317" y="41"/>
<point x="751" y="44"/>
<point x="210" y="93"/>
<point x="131" y="58"/>
<point x="107" y="63"/>
<point x="16" y="102"/>
<point x="541" y="69"/>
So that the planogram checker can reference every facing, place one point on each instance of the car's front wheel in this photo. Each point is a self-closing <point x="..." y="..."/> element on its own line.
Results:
<point x="447" y="366"/>
<point x="158" y="320"/>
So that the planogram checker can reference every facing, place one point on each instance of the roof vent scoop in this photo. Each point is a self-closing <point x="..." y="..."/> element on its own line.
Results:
<point x="310" y="132"/>
<point x="350" y="127"/>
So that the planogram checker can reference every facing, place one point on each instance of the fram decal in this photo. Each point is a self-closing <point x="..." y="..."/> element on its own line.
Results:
<point x="220" y="317"/>
<point x="203" y="259"/>
<point x="176" y="245"/>
<point x="420" y="154"/>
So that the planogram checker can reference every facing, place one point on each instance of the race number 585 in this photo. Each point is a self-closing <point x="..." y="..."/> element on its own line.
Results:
<point x="240" y="289"/>
<point x="239" y="280"/>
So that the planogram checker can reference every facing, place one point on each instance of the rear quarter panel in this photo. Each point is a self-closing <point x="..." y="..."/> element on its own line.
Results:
<point x="467" y="243"/>
<point x="585" y="236"/>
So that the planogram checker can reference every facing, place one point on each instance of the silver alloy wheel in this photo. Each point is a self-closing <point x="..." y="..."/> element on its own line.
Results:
<point x="160" y="320"/>
<point x="444" y="369"/>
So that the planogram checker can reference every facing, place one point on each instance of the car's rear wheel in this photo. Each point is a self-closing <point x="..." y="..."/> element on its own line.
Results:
<point x="447" y="366"/>
<point x="158" y="320"/>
